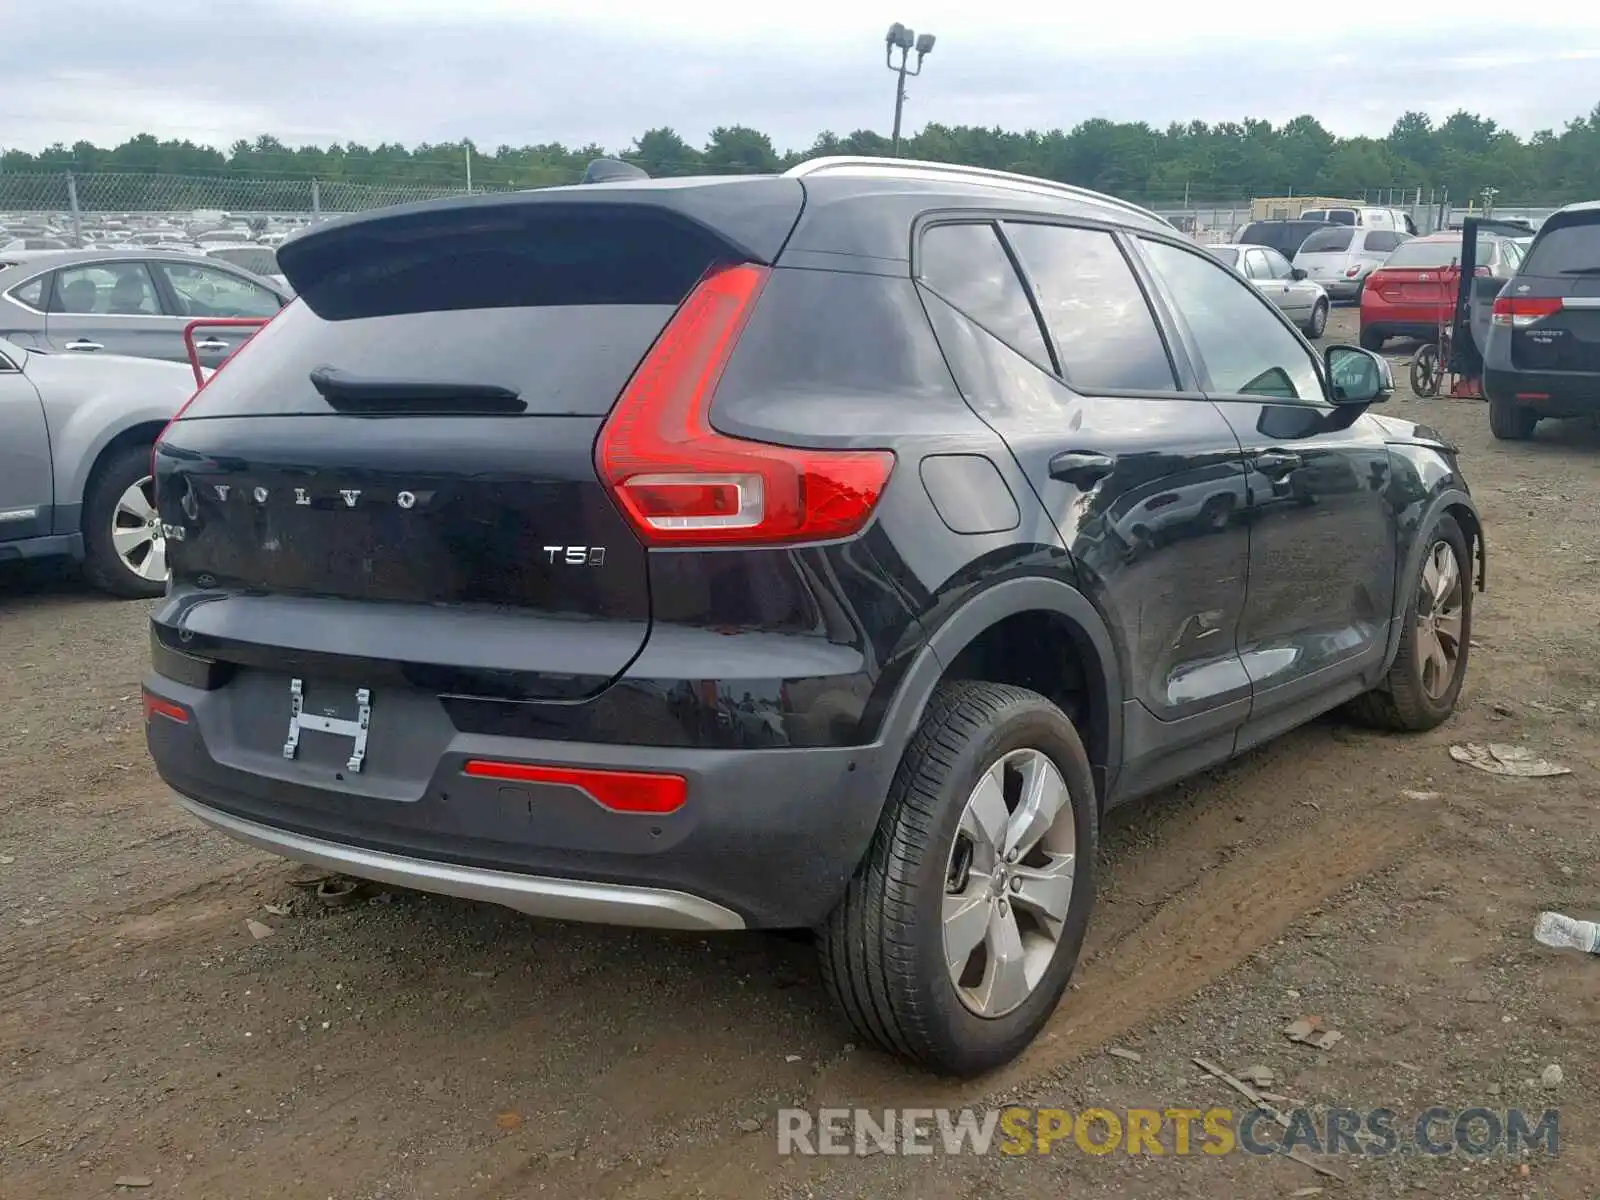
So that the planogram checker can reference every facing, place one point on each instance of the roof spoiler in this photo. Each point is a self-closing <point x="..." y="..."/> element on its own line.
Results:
<point x="611" y="170"/>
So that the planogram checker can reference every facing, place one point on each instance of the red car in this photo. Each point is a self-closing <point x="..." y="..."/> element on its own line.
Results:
<point x="1414" y="289"/>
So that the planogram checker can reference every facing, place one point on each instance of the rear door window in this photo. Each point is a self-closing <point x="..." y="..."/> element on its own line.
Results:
<point x="113" y="289"/>
<point x="968" y="266"/>
<point x="1097" y="314"/>
<point x="1571" y="247"/>
<point x="1334" y="240"/>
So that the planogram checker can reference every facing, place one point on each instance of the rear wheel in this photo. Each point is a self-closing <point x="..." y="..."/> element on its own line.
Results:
<point x="1422" y="687"/>
<point x="956" y="939"/>
<point x="1319" y="320"/>
<point x="1372" y="340"/>
<point x="1511" y="422"/>
<point x="124" y="550"/>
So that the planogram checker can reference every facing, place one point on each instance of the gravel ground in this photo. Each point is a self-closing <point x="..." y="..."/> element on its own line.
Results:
<point x="409" y="1046"/>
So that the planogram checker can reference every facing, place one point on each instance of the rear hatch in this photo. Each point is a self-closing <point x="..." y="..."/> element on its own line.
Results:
<point x="1325" y="255"/>
<point x="400" y="467"/>
<point x="1553" y="305"/>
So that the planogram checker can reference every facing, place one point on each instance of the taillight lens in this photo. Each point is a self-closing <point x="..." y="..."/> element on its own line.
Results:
<point x="619" y="791"/>
<point x="1481" y="272"/>
<point x="680" y="482"/>
<point x="1518" y="312"/>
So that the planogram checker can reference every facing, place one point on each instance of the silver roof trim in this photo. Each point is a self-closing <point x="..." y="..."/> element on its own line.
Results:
<point x="862" y="165"/>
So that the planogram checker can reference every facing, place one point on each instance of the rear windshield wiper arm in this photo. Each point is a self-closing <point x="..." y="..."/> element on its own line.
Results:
<point x="345" y="392"/>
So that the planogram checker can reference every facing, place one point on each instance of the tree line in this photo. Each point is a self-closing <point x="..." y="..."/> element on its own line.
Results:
<point x="1196" y="162"/>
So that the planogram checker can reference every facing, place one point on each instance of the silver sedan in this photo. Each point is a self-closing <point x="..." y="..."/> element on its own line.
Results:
<point x="132" y="302"/>
<point x="1275" y="277"/>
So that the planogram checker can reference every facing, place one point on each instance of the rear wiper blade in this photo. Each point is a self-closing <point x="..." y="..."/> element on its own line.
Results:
<point x="374" y="394"/>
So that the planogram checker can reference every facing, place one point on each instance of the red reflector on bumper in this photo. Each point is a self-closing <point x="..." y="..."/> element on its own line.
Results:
<point x="620" y="791"/>
<point x="155" y="706"/>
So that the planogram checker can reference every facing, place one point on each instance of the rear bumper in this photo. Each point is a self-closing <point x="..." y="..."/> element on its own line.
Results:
<point x="539" y="896"/>
<point x="766" y="837"/>
<point x="1551" y="393"/>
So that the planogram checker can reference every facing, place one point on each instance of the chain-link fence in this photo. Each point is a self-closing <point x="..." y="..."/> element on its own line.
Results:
<point x="44" y="210"/>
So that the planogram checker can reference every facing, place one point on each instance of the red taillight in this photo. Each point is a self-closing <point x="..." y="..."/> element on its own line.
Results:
<point x="620" y="791"/>
<point x="1518" y="312"/>
<point x="680" y="482"/>
<point x="1352" y="272"/>
<point x="155" y="706"/>
<point x="1480" y="272"/>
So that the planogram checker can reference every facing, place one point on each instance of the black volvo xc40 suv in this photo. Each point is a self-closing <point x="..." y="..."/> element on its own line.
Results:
<point x="824" y="551"/>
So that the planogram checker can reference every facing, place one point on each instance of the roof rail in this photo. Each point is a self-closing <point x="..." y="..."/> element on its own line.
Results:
<point x="862" y="164"/>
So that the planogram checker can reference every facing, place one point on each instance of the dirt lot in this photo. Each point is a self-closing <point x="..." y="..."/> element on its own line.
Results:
<point x="420" y="1047"/>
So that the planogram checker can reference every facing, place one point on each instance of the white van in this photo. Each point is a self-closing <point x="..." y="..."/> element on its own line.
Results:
<point x="1366" y="218"/>
<point x="1341" y="257"/>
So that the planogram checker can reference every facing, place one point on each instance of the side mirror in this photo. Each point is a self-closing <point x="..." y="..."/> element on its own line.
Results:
<point x="1297" y="274"/>
<point x="1357" y="376"/>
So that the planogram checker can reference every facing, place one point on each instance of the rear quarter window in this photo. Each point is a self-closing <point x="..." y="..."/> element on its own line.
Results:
<point x="1571" y="247"/>
<point x="967" y="265"/>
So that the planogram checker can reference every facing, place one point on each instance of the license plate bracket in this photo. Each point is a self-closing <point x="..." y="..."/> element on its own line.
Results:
<point x="301" y="720"/>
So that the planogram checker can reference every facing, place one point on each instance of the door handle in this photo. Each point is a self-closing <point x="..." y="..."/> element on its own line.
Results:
<point x="80" y="344"/>
<point x="1081" y="468"/>
<point x="211" y="344"/>
<point x="1275" y="464"/>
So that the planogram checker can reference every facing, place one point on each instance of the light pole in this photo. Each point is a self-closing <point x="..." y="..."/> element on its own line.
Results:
<point x="904" y="40"/>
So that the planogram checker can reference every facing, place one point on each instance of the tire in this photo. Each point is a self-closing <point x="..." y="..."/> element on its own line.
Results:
<point x="1319" y="320"/>
<point x="103" y="563"/>
<point x="1510" y="422"/>
<point x="1405" y="701"/>
<point x="1426" y="371"/>
<point x="883" y="950"/>
<point x="1372" y="340"/>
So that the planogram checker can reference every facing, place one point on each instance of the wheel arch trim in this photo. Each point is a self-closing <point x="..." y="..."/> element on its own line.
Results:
<point x="1453" y="502"/>
<point x="980" y="612"/>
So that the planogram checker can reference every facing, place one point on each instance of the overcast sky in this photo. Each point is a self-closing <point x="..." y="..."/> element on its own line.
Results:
<point x="521" y="71"/>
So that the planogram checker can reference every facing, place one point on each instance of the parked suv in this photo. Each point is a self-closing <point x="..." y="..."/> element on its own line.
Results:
<point x="762" y="552"/>
<point x="1542" y="354"/>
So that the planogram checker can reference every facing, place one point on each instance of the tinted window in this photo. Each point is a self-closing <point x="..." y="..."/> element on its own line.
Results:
<point x="1569" y="247"/>
<point x="32" y="293"/>
<point x="1334" y="240"/>
<point x="1342" y="216"/>
<point x="967" y="265"/>
<point x="207" y="292"/>
<point x="1381" y="241"/>
<point x="1425" y="252"/>
<point x="1094" y="308"/>
<point x="1246" y="348"/>
<point x="1225" y="254"/>
<point x="558" y="310"/>
<point x="119" y="289"/>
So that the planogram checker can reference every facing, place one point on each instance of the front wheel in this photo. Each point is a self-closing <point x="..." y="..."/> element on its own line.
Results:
<point x="124" y="552"/>
<point x="958" y="934"/>
<point x="1422" y="687"/>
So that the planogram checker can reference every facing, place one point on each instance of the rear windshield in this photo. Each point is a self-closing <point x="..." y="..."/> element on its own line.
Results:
<point x="1420" y="253"/>
<point x="558" y="308"/>
<point x="1327" y="241"/>
<point x="1570" y="248"/>
<point x="1283" y="236"/>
